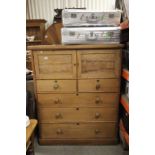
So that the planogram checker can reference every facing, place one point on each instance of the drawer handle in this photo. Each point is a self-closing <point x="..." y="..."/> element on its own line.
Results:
<point x="56" y="86"/>
<point x="59" y="131"/>
<point x="97" y="131"/>
<point x="58" y="115"/>
<point x="57" y="101"/>
<point x="97" y="100"/>
<point x="98" y="86"/>
<point x="97" y="115"/>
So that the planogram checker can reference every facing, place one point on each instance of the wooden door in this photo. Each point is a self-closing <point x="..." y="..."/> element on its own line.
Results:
<point x="55" y="64"/>
<point x="99" y="63"/>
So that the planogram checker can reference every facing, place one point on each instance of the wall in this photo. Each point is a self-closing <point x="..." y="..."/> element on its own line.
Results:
<point x="44" y="9"/>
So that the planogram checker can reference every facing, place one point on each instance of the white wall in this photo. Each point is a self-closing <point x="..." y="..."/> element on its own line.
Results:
<point x="44" y="9"/>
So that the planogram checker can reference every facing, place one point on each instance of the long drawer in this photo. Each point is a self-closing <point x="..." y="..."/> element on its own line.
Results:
<point x="51" y="115"/>
<point x="78" y="130"/>
<point x="81" y="100"/>
<point x="56" y="86"/>
<point x="99" y="85"/>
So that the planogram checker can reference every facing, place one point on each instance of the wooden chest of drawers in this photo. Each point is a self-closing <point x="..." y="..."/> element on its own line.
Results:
<point x="77" y="90"/>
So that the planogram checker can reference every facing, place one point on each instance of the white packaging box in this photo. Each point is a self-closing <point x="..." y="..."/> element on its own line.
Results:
<point x="90" y="35"/>
<point x="79" y="17"/>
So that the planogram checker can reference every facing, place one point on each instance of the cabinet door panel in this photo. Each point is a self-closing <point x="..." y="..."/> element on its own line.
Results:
<point x="99" y="63"/>
<point x="55" y="64"/>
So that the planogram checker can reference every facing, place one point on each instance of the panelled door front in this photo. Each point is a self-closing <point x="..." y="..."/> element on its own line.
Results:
<point x="99" y="63"/>
<point x="55" y="64"/>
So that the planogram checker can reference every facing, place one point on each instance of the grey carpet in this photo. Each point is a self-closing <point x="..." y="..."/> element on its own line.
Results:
<point x="79" y="150"/>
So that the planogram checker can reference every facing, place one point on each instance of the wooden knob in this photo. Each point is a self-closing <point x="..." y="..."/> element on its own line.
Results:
<point x="97" y="131"/>
<point x="57" y="115"/>
<point x="98" y="86"/>
<point x="56" y="101"/>
<point x="97" y="100"/>
<point x="59" y="131"/>
<point x="46" y="36"/>
<point x="56" y="86"/>
<point x="97" y="115"/>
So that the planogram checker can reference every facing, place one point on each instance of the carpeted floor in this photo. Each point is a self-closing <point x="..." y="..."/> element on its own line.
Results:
<point x="79" y="150"/>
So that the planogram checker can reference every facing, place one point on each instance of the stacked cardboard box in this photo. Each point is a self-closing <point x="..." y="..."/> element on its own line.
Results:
<point x="90" y="27"/>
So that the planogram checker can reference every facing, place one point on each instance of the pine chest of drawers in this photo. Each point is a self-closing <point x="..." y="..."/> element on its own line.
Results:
<point x="77" y="90"/>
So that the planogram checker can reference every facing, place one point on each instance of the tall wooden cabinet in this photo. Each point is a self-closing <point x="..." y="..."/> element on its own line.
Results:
<point x="36" y="28"/>
<point x="77" y="89"/>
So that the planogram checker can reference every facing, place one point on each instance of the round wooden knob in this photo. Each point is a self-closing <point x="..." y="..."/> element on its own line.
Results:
<point x="97" y="100"/>
<point x="97" y="131"/>
<point x="56" y="86"/>
<point x="59" y="131"/>
<point x="46" y="36"/>
<point x="77" y="108"/>
<point x="98" y="86"/>
<point x="56" y="101"/>
<point x="97" y="115"/>
<point x="57" y="115"/>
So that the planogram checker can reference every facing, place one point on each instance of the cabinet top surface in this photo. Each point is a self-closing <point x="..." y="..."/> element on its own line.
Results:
<point x="60" y="46"/>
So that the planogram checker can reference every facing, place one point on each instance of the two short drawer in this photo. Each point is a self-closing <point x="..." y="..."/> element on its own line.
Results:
<point x="84" y="114"/>
<point x="65" y="86"/>
<point x="71" y="86"/>
<point x="78" y="130"/>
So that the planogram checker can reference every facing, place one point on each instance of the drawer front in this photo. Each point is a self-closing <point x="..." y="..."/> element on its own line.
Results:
<point x="78" y="130"/>
<point x="80" y="100"/>
<point x="99" y="85"/>
<point x="60" y="64"/>
<point x="99" y="63"/>
<point x="56" y="85"/>
<point x="52" y="115"/>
